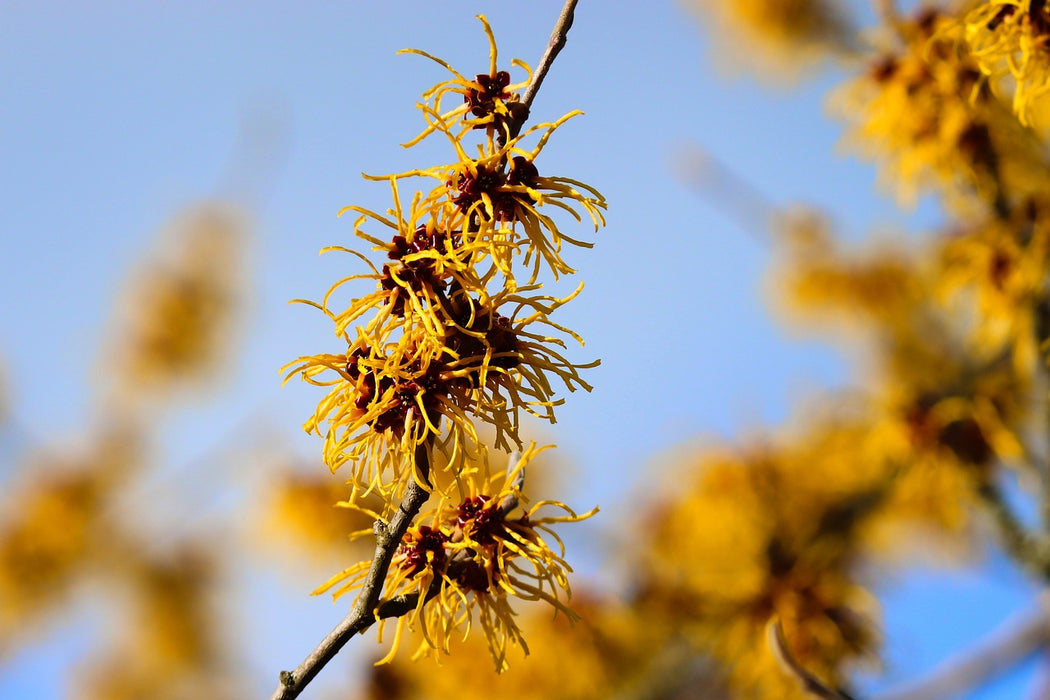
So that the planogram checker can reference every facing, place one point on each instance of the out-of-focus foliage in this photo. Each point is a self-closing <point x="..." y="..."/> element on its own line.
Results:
<point x="56" y="527"/>
<point x="924" y="112"/>
<point x="169" y="643"/>
<point x="66" y="526"/>
<point x="776" y="39"/>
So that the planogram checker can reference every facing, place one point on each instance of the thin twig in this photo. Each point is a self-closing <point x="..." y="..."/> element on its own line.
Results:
<point x="510" y="502"/>
<point x="366" y="609"/>
<point x="520" y="110"/>
<point x="554" y="46"/>
<point x="810" y="683"/>
<point x="1040" y="311"/>
<point x="1008" y="646"/>
<point x="732" y="194"/>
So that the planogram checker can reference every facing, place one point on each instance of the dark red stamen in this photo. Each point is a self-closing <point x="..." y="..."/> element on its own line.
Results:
<point x="428" y="539"/>
<point x="481" y="100"/>
<point x="483" y="517"/>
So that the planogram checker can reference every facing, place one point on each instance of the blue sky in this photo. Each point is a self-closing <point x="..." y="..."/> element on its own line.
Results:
<point x="114" y="116"/>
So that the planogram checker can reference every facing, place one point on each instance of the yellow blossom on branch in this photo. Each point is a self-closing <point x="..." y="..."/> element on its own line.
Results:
<point x="482" y="548"/>
<point x="447" y="341"/>
<point x="433" y="348"/>
<point x="491" y="197"/>
<point x="490" y="101"/>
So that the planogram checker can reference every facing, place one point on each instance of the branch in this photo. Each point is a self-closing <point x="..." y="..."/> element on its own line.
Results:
<point x="510" y="502"/>
<point x="724" y="189"/>
<point x="554" y="46"/>
<point x="810" y="683"/>
<point x="992" y="657"/>
<point x="367" y="608"/>
<point x="520" y="110"/>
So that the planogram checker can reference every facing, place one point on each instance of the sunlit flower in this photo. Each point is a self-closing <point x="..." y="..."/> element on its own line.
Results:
<point x="384" y="404"/>
<point x="496" y="198"/>
<point x="924" y="111"/>
<point x="1012" y="37"/>
<point x="505" y="347"/>
<point x="496" y="357"/>
<point x="424" y="255"/>
<point x="490" y="101"/>
<point x="446" y="336"/>
<point x="481" y="550"/>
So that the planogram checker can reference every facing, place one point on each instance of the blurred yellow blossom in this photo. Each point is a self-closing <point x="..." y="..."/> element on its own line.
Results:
<point x="778" y="37"/>
<point x="176" y="317"/>
<point x="168" y="646"/>
<point x="54" y="526"/>
<point x="757" y="536"/>
<point x="994" y="275"/>
<point x="925" y="113"/>
<point x="302" y="514"/>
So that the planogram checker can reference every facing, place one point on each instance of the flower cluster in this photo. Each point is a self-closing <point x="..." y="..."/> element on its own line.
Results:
<point x="924" y="110"/>
<point x="755" y="570"/>
<point x="452" y="336"/>
<point x="479" y="551"/>
<point x="454" y="341"/>
<point x="750" y="536"/>
<point x="1012" y="38"/>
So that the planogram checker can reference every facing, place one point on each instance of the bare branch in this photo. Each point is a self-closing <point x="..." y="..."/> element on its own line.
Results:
<point x="554" y="46"/>
<point x="510" y="502"/>
<point x="366" y="609"/>
<point x="1014" y="641"/>
<point x="520" y="110"/>
<point x="726" y="190"/>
